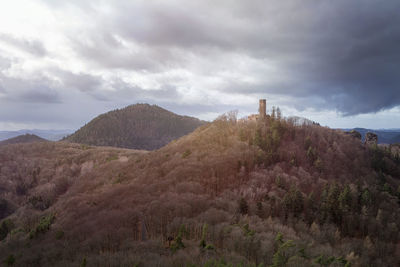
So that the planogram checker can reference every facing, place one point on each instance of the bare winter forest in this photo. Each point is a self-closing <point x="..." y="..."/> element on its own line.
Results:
<point x="232" y="193"/>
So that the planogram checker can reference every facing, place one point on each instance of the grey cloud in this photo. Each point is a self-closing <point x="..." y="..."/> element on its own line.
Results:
<point x="43" y="95"/>
<point x="33" y="47"/>
<point x="344" y="52"/>
<point x="104" y="50"/>
<point x="123" y="90"/>
<point x="81" y="81"/>
<point x="328" y="55"/>
<point x="200" y="108"/>
<point x="20" y="90"/>
<point x="354" y="57"/>
<point x="5" y="63"/>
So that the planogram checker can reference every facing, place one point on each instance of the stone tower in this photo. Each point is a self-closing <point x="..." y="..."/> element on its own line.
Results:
<point x="262" y="109"/>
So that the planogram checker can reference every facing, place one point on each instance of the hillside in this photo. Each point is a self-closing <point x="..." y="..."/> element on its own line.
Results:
<point x="26" y="138"/>
<point x="139" y="126"/>
<point x="232" y="192"/>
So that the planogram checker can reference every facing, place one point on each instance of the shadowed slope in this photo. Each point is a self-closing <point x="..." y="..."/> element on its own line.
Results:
<point x="139" y="126"/>
<point x="26" y="138"/>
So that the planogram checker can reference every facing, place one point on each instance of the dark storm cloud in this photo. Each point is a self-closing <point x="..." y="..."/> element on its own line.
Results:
<point x="353" y="56"/>
<point x="345" y="52"/>
<point x="33" y="47"/>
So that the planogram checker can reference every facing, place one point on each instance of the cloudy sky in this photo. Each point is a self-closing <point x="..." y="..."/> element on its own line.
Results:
<point x="64" y="62"/>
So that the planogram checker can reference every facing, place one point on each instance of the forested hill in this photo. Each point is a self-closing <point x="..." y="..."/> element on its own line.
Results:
<point x="231" y="193"/>
<point x="26" y="138"/>
<point x="140" y="126"/>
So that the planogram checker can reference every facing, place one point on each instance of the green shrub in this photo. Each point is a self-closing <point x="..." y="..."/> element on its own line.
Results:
<point x="10" y="260"/>
<point x="112" y="157"/>
<point x="203" y="243"/>
<point x="84" y="262"/>
<point x="178" y="244"/>
<point x="43" y="226"/>
<point x="186" y="154"/>
<point x="85" y="147"/>
<point x="59" y="234"/>
<point x="5" y="227"/>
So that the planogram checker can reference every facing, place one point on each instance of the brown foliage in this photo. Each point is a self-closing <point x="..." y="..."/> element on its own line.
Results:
<point x="120" y="206"/>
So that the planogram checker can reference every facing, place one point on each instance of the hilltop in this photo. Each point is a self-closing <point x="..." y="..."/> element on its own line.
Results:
<point x="275" y="193"/>
<point x="140" y="126"/>
<point x="26" y="138"/>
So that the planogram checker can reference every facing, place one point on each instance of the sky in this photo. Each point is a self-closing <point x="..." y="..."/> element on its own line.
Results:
<point x="64" y="62"/>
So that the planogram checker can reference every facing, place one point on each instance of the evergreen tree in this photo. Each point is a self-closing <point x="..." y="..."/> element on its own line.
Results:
<point x="243" y="206"/>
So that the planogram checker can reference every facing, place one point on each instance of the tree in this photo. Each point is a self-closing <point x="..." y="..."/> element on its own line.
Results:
<point x="3" y="208"/>
<point x="332" y="202"/>
<point x="293" y="201"/>
<point x="278" y="113"/>
<point x="203" y="243"/>
<point x="84" y="262"/>
<point x="366" y="198"/>
<point x="5" y="227"/>
<point x="281" y="255"/>
<point x="243" y="206"/>
<point x="345" y="200"/>
<point x="178" y="244"/>
<point x="10" y="260"/>
<point x="260" y="211"/>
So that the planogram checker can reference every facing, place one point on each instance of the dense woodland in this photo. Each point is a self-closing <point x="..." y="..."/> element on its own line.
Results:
<point x="233" y="193"/>
<point x="140" y="126"/>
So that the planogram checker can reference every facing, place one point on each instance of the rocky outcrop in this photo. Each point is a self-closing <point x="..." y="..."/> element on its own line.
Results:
<point x="371" y="139"/>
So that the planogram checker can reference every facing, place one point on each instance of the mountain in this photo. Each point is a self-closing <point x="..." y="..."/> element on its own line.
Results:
<point x="231" y="193"/>
<point x="140" y="126"/>
<point x="26" y="138"/>
<point x="52" y="135"/>
<point x="396" y="139"/>
<point x="385" y="136"/>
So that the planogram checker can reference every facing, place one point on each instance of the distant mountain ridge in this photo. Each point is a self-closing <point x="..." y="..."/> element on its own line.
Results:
<point x="26" y="138"/>
<point x="139" y="126"/>
<point x="385" y="136"/>
<point x="52" y="135"/>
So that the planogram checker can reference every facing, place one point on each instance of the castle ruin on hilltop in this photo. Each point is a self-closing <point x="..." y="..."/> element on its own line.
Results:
<point x="262" y="111"/>
<point x="371" y="139"/>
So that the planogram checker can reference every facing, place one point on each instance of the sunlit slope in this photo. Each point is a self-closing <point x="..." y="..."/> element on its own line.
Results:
<point x="336" y="199"/>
